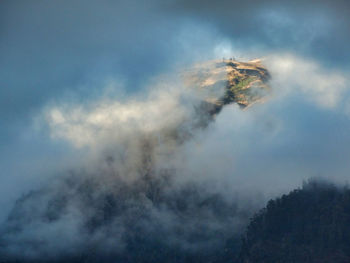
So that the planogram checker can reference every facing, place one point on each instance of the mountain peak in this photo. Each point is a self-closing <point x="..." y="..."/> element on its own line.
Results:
<point x="229" y="81"/>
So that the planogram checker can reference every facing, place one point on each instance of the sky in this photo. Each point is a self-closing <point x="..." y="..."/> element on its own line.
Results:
<point x="82" y="81"/>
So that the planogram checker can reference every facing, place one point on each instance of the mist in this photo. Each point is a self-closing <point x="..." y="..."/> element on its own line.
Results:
<point x="106" y="151"/>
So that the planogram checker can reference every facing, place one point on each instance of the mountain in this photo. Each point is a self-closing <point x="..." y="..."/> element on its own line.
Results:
<point x="101" y="215"/>
<point x="309" y="225"/>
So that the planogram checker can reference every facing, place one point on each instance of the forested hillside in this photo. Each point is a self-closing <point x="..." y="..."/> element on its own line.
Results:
<point x="311" y="224"/>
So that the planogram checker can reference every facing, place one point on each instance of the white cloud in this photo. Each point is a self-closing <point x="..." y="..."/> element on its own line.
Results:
<point x="105" y="121"/>
<point x="292" y="74"/>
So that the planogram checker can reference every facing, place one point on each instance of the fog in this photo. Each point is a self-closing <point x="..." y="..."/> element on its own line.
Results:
<point x="105" y="147"/>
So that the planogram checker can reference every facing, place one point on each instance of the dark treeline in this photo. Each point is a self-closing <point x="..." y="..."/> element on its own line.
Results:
<point x="311" y="224"/>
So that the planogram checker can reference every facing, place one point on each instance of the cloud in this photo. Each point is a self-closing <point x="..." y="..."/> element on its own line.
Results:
<point x="149" y="171"/>
<point x="295" y="74"/>
<point x="124" y="170"/>
<point x="313" y="29"/>
<point x="108" y="120"/>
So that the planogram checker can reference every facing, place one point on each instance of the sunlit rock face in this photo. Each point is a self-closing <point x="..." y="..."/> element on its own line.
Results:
<point x="229" y="81"/>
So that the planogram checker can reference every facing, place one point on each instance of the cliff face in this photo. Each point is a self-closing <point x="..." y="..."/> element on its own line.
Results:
<point x="229" y="81"/>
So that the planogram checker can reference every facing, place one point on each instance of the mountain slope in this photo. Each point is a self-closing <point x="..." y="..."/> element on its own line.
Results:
<point x="132" y="207"/>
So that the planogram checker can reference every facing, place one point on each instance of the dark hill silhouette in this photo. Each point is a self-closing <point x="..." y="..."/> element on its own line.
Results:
<point x="308" y="225"/>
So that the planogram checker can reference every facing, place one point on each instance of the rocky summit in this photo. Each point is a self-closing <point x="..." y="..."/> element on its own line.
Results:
<point x="229" y="81"/>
